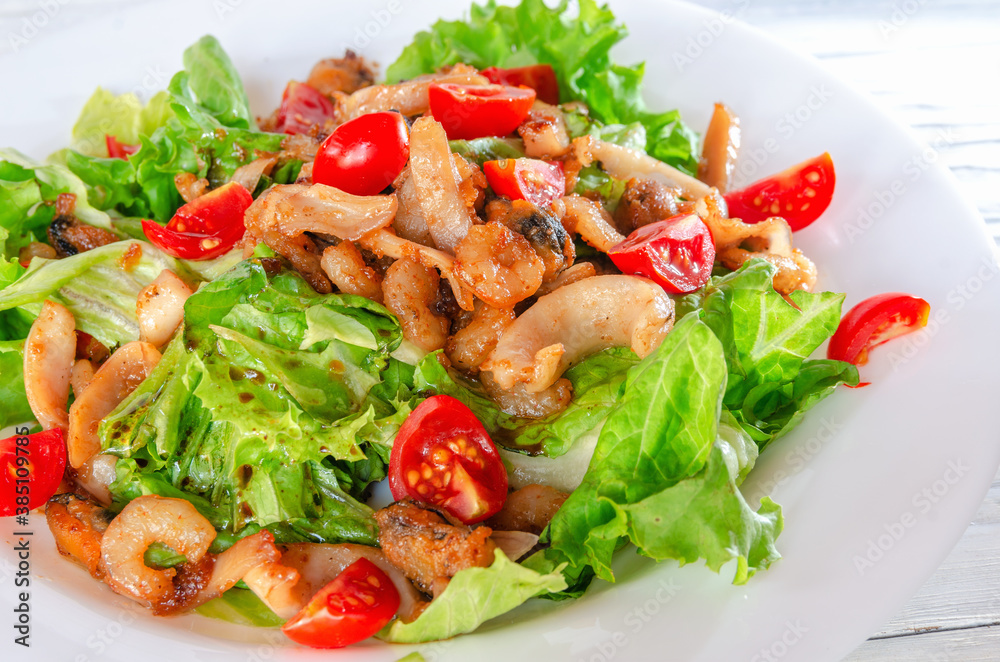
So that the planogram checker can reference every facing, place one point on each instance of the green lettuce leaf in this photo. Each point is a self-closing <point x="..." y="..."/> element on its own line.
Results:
<point x="94" y="287"/>
<point x="767" y="342"/>
<point x="578" y="50"/>
<point x="474" y="596"/>
<point x="208" y="92"/>
<point x="275" y="406"/>
<point x="123" y="116"/>
<point x="240" y="606"/>
<point x="13" y="402"/>
<point x="661" y="432"/>
<point x="482" y="150"/>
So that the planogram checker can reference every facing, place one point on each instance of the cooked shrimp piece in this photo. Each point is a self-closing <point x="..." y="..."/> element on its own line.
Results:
<point x="248" y="176"/>
<point x="544" y="132"/>
<point x="278" y="587"/>
<point x="96" y="475"/>
<point x="80" y="376"/>
<point x="78" y="526"/>
<point x="160" y="307"/>
<point x="645" y="201"/>
<point x="530" y="509"/>
<point x="575" y="321"/>
<point x="409" y="290"/>
<point x="518" y="401"/>
<point x="410" y="223"/>
<point x="144" y="521"/>
<point x="471" y="345"/>
<point x="49" y="352"/>
<point x="588" y="219"/>
<point x="720" y="149"/>
<point x="435" y="179"/>
<point x="118" y="377"/>
<point x="544" y="232"/>
<point x="346" y="269"/>
<point x="410" y="97"/>
<point x="427" y="547"/>
<point x="385" y="244"/>
<point x="794" y="272"/>
<point x="498" y="265"/>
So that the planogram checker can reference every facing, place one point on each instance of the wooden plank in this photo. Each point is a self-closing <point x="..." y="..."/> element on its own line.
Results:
<point x="978" y="645"/>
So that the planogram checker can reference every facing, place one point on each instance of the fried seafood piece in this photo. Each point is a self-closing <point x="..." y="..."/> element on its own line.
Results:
<point x="575" y="321"/>
<point x="160" y="307"/>
<point x="346" y="268"/>
<point x="645" y="201"/>
<point x="590" y="220"/>
<point x="77" y="525"/>
<point x="471" y="344"/>
<point x="529" y="509"/>
<point x="71" y="237"/>
<point x="341" y="74"/>
<point x="771" y="240"/>
<point x="409" y="97"/>
<point x="435" y="180"/>
<point x="409" y="290"/>
<point x="498" y="265"/>
<point x="429" y="548"/>
<point x="544" y="232"/>
<point x="519" y="401"/>
<point x="111" y="384"/>
<point x="720" y="149"/>
<point x="544" y="132"/>
<point x="49" y="352"/>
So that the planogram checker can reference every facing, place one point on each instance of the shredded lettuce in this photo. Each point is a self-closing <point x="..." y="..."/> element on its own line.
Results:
<point x="578" y="49"/>
<point x="474" y="596"/>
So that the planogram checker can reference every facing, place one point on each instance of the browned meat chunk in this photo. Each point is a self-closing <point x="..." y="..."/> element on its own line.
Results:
<point x="70" y="237"/>
<point x="529" y="509"/>
<point x="644" y="201"/>
<point x="78" y="526"/>
<point x="345" y="74"/>
<point x="427" y="547"/>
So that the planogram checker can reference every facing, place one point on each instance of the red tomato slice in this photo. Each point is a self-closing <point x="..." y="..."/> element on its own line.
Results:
<point x="117" y="150"/>
<point x="876" y="321"/>
<point x="206" y="227"/>
<point x="354" y="606"/>
<point x="539" y="77"/>
<point x="364" y="155"/>
<point x="477" y="111"/>
<point x="799" y="194"/>
<point x="31" y="468"/>
<point x="677" y="253"/>
<point x="302" y="107"/>
<point x="538" y="182"/>
<point x="443" y="456"/>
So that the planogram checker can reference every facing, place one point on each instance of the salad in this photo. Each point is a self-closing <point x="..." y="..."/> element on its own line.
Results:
<point x="495" y="280"/>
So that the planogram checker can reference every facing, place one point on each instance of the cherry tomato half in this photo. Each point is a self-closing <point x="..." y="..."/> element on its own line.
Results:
<point x="302" y="107"/>
<point x="799" y="194"/>
<point x="477" y="111"/>
<point x="206" y="227"/>
<point x="31" y="468"/>
<point x="876" y="321"/>
<point x="364" y="155"/>
<point x="677" y="253"/>
<point x="539" y="77"/>
<point x="538" y="182"/>
<point x="117" y="150"/>
<point x="443" y="456"/>
<point x="354" y="606"/>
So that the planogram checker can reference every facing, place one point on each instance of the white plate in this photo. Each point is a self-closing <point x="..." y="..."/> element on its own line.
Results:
<point x="877" y="484"/>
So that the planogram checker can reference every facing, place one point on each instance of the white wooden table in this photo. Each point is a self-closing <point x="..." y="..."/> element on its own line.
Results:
<point x="935" y="66"/>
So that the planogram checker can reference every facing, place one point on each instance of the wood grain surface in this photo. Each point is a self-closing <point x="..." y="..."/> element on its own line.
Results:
<point x="934" y="65"/>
